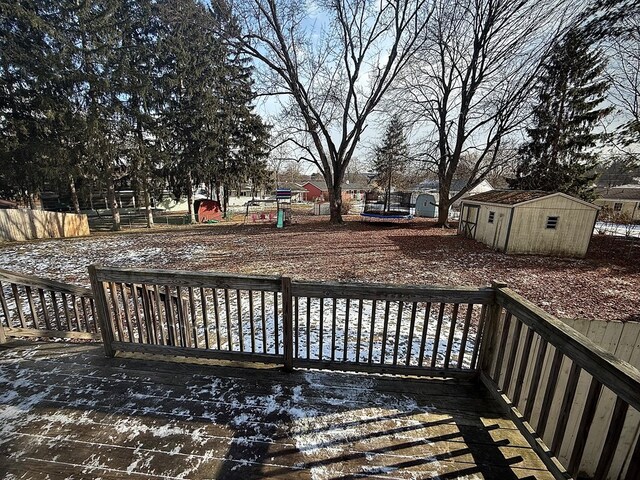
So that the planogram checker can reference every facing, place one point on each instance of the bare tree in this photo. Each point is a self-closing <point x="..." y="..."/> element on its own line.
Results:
<point x="332" y="72"/>
<point x="624" y="73"/>
<point x="469" y="90"/>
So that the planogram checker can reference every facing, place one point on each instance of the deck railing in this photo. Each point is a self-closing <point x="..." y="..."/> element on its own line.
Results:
<point x="37" y="307"/>
<point x="576" y="404"/>
<point x="274" y="319"/>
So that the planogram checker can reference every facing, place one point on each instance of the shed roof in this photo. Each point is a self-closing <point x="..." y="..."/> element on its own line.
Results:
<point x="620" y="193"/>
<point x="517" y="197"/>
<point x="508" y="197"/>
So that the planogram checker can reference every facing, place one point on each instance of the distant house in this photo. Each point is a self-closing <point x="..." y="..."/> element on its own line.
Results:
<point x="624" y="199"/>
<point x="318" y="191"/>
<point x="433" y="187"/>
<point x="529" y="222"/>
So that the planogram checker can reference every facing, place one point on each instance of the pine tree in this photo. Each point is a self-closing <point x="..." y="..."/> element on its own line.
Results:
<point x="391" y="157"/>
<point x="559" y="155"/>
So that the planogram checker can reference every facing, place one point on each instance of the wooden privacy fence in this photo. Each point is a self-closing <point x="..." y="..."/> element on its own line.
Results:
<point x="25" y="224"/>
<point x="37" y="307"/>
<point x="522" y="361"/>
<point x="274" y="319"/>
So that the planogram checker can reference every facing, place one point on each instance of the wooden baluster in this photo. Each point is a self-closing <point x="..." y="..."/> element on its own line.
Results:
<point x="436" y="339"/>
<point x="548" y="393"/>
<point x="194" y="321"/>
<point x="524" y="363"/>
<point x="125" y="307"/>
<point x="321" y="333"/>
<point x="239" y="311"/>
<point x="56" y="313"/>
<point x="465" y="334"/>
<point x="308" y="328"/>
<point x="412" y="324"/>
<point x="358" y="339"/>
<point x="425" y="330"/>
<point x="345" y="347"/>
<point x="171" y="320"/>
<point x="65" y="309"/>
<point x="480" y="332"/>
<point x="506" y="325"/>
<point x="252" y="325"/>
<point x="276" y="322"/>
<point x="511" y="362"/>
<point x="372" y="330"/>
<point x="396" y="340"/>
<point x="535" y="378"/>
<point x="205" y="318"/>
<point x="227" y="310"/>
<point x="5" y="308"/>
<point x="136" y="311"/>
<point x="588" y="414"/>
<point x="162" y="320"/>
<point x="287" y="323"/>
<point x="452" y="333"/>
<point x="385" y="329"/>
<point x="76" y="314"/>
<point x="565" y="409"/>
<point x="32" y="307"/>
<point x="264" y="321"/>
<point x="85" y="314"/>
<point x="333" y="329"/>
<point x="18" y="302"/>
<point x="216" y="314"/>
<point x="633" y="471"/>
<point x="296" y="331"/>
<point x="613" y="437"/>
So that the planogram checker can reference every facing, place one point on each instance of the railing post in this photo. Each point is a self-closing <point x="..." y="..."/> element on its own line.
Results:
<point x="287" y="325"/>
<point x="102" y="312"/>
<point x="490" y="327"/>
<point x="3" y="336"/>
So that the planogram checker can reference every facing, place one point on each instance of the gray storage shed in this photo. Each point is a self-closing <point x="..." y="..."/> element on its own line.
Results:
<point x="426" y="206"/>
<point x="529" y="221"/>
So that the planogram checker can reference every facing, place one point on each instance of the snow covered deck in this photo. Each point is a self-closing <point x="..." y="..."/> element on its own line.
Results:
<point x="66" y="411"/>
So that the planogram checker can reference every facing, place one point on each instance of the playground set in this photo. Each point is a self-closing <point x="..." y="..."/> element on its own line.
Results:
<point x="282" y="215"/>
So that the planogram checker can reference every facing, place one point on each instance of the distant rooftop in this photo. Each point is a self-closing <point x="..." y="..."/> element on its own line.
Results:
<point x="625" y="192"/>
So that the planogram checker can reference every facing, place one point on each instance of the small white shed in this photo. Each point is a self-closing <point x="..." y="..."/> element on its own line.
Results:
<point x="529" y="222"/>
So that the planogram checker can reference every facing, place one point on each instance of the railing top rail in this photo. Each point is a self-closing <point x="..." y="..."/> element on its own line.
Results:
<point x="620" y="377"/>
<point x="44" y="283"/>
<point x="189" y="279"/>
<point x="379" y="291"/>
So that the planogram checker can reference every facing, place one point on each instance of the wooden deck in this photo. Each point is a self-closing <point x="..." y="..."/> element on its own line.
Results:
<point x="66" y="411"/>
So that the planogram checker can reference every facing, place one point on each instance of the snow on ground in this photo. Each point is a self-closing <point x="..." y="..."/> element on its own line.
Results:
<point x="322" y="419"/>
<point x="607" y="228"/>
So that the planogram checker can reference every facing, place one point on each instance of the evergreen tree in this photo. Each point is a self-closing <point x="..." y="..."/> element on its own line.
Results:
<point x="391" y="158"/>
<point x="559" y="156"/>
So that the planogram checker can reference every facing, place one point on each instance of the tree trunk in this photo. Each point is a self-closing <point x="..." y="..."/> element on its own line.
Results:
<point x="113" y="205"/>
<point x="335" y="205"/>
<point x="192" y="215"/>
<point x="74" y="195"/>
<point x="147" y="208"/>
<point x="443" y="205"/>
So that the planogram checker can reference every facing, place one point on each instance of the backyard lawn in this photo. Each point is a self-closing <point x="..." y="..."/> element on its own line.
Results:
<point x="605" y="285"/>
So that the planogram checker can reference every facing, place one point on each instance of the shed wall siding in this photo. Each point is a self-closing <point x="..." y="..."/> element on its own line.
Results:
<point x="629" y="207"/>
<point x="571" y="237"/>
<point x="493" y="234"/>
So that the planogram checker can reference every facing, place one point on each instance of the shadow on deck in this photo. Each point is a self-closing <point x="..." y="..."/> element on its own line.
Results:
<point x="67" y="411"/>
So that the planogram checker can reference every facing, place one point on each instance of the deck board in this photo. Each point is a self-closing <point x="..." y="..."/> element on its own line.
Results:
<point x="68" y="412"/>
